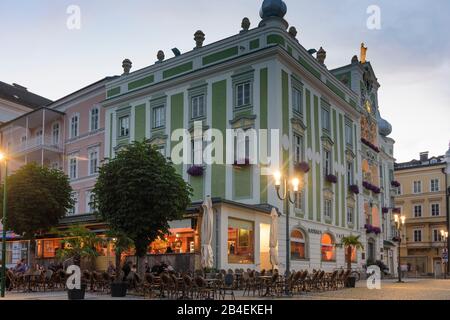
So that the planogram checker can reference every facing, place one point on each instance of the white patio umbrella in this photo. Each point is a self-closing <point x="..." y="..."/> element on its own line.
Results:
<point x="274" y="238"/>
<point x="207" y="230"/>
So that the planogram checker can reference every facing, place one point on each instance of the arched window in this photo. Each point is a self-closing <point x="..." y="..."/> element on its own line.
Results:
<point x="327" y="247"/>
<point x="298" y="245"/>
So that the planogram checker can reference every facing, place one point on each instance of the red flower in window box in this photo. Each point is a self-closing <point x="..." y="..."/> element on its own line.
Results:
<point x="395" y="184"/>
<point x="354" y="189"/>
<point x="195" y="171"/>
<point x="385" y="210"/>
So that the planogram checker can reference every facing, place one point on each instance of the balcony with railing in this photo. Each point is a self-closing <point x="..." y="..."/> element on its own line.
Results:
<point x="48" y="142"/>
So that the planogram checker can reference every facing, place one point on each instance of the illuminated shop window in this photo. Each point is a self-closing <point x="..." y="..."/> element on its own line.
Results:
<point x="240" y="241"/>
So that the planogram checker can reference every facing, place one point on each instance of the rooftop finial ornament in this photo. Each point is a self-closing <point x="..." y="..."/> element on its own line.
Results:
<point x="126" y="65"/>
<point x="160" y="56"/>
<point x="199" y="37"/>
<point x="321" y="56"/>
<point x="293" y="32"/>
<point x="245" y="24"/>
<point x="273" y="8"/>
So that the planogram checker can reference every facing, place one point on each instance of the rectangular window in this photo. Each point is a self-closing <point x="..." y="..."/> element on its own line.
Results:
<point x="417" y="188"/>
<point x="94" y="119"/>
<point x="348" y="134"/>
<point x="326" y="119"/>
<point x="162" y="150"/>
<point x="55" y="134"/>
<point x="297" y="100"/>
<point x="243" y="91"/>
<point x="349" y="215"/>
<point x="55" y="165"/>
<point x="197" y="152"/>
<point x="73" y="168"/>
<point x="434" y="187"/>
<point x="90" y="207"/>
<point x="298" y="148"/>
<point x="327" y="208"/>
<point x="326" y="162"/>
<point x="74" y="126"/>
<point x="349" y="173"/>
<point x="124" y="126"/>
<point x="93" y="161"/>
<point x="198" y="106"/>
<point x="159" y="117"/>
<point x="240" y="242"/>
<point x="74" y="210"/>
<point x="437" y="235"/>
<point x="417" y="211"/>
<point x="417" y="235"/>
<point x="299" y="201"/>
<point x="39" y="137"/>
<point x="435" y="210"/>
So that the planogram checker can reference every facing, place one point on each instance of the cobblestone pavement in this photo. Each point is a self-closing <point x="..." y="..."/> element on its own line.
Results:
<point x="411" y="289"/>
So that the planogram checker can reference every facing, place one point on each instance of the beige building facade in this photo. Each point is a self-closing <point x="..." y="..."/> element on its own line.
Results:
<point x="421" y="199"/>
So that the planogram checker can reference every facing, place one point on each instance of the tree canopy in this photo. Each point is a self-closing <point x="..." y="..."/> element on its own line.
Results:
<point x="138" y="192"/>
<point x="38" y="197"/>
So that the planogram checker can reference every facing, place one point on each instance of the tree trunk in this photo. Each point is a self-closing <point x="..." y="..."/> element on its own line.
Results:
<point x="349" y="258"/>
<point x="32" y="254"/>
<point x="141" y="266"/>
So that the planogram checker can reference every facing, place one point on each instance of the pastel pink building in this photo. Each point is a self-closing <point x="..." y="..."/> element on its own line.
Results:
<point x="68" y="134"/>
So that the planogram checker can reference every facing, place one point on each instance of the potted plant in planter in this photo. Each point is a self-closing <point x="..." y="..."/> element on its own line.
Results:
<point x="121" y="244"/>
<point x="354" y="189"/>
<point x="302" y="167"/>
<point x="79" y="243"/>
<point x="331" y="178"/>
<point x="195" y="171"/>
<point x="395" y="184"/>
<point x="349" y="243"/>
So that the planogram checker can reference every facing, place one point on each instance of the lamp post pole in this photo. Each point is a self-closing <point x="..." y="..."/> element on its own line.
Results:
<point x="285" y="195"/>
<point x="399" y="222"/>
<point x="5" y="194"/>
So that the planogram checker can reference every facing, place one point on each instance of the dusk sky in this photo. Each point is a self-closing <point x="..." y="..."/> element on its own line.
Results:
<point x="410" y="53"/>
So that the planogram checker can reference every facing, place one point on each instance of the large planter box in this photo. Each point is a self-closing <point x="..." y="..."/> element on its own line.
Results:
<point x="118" y="289"/>
<point x="77" y="294"/>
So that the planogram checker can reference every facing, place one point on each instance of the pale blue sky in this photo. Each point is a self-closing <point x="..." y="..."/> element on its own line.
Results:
<point x="410" y="54"/>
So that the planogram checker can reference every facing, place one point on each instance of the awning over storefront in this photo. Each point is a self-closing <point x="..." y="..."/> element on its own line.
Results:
<point x="388" y="243"/>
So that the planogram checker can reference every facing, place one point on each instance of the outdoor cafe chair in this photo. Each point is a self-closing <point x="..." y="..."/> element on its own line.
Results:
<point x="203" y="290"/>
<point x="227" y="287"/>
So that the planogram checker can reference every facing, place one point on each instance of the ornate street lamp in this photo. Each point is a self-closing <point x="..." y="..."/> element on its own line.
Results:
<point x="399" y="222"/>
<point x="5" y="194"/>
<point x="284" y="194"/>
<point x="444" y="237"/>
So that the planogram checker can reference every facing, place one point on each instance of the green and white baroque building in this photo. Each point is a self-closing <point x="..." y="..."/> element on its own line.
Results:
<point x="263" y="78"/>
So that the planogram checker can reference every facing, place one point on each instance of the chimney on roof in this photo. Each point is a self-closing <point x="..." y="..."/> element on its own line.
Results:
<point x="424" y="156"/>
<point x="18" y="86"/>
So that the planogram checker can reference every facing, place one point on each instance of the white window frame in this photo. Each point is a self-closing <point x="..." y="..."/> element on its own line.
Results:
<point x="93" y="171"/>
<point x="417" y="190"/>
<point x="350" y="173"/>
<point x="56" y="133"/>
<point x="438" y="206"/>
<point x="297" y="100"/>
<point x="328" y="209"/>
<point x="327" y="162"/>
<point x="298" y="148"/>
<point x="94" y="124"/>
<point x="74" y="210"/>
<point x="326" y="119"/>
<point x="415" y="213"/>
<point x="348" y="134"/>
<point x="88" y="196"/>
<point x="159" y="118"/>
<point x="73" y="128"/>
<point x="417" y="235"/>
<point x="197" y="108"/>
<point x="73" y="158"/>
<point x="126" y="130"/>
<point x="436" y="186"/>
<point x="435" y="232"/>
<point x="241" y="99"/>
<point x="350" y="215"/>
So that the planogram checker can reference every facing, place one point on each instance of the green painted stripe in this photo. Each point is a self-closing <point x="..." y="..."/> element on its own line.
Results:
<point x="354" y="143"/>
<point x="285" y="114"/>
<point x="242" y="182"/>
<point x="113" y="92"/>
<point x="335" y="89"/>
<point x="342" y="143"/>
<point x="275" y="39"/>
<point x="219" y="122"/>
<point x="335" y="135"/>
<point x="309" y="68"/>
<point x="289" y="49"/>
<point x="197" y="185"/>
<point x="341" y="137"/>
<point x="178" y="70"/>
<point x="353" y="103"/>
<point x="176" y="120"/>
<point x="309" y="144"/>
<point x="141" y="82"/>
<point x="139" y="123"/>
<point x="263" y="97"/>
<point x="318" y="175"/>
<point x="221" y="55"/>
<point x="254" y="44"/>
<point x="336" y="202"/>
<point x="343" y="199"/>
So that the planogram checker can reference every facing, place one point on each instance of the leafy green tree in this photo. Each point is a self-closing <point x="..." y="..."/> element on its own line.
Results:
<point x="121" y="244"/>
<point x="349" y="243"/>
<point x="138" y="193"/>
<point x="78" y="243"/>
<point x="38" y="197"/>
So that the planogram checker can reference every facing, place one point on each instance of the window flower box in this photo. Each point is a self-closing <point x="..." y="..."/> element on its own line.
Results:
<point x="384" y="210"/>
<point x="370" y="145"/>
<point x="395" y="184"/>
<point x="331" y="178"/>
<point x="354" y="189"/>
<point x="397" y="210"/>
<point x="195" y="171"/>
<point x="396" y="239"/>
<point x="371" y="187"/>
<point x="372" y="229"/>
<point x="302" y="167"/>
<point x="242" y="162"/>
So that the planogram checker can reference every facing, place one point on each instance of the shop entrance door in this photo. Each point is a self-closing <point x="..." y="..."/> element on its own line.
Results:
<point x="264" y="240"/>
<point x="437" y="268"/>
